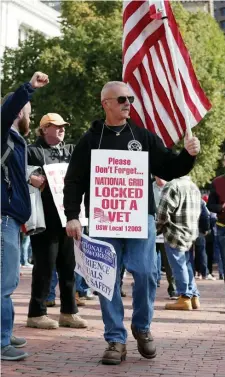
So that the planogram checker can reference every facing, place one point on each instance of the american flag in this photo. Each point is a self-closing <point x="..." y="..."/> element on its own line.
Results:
<point x="100" y="215"/>
<point x="148" y="70"/>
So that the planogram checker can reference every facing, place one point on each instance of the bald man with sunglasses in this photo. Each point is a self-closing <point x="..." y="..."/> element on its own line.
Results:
<point x="118" y="132"/>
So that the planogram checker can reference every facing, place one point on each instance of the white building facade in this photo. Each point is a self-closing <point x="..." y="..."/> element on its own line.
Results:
<point x="20" y="16"/>
<point x="220" y="13"/>
<point x="199" y="5"/>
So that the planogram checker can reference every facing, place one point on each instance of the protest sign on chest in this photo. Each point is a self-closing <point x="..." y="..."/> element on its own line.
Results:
<point x="119" y="194"/>
<point x="55" y="174"/>
<point x="96" y="262"/>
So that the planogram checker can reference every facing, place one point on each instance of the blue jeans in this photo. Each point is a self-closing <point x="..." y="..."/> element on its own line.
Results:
<point x="10" y="273"/>
<point x="180" y="263"/>
<point x="80" y="285"/>
<point x="201" y="258"/>
<point x="54" y="282"/>
<point x="139" y="258"/>
<point x="221" y="241"/>
<point x="192" y="259"/>
<point x="25" y="252"/>
<point x="217" y="255"/>
<point x="159" y="266"/>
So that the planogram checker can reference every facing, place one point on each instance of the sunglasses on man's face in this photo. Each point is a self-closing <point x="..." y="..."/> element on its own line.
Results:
<point x="123" y="99"/>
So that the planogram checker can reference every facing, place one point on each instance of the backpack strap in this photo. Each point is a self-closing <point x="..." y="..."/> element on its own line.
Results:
<point x="7" y="153"/>
<point x="9" y="150"/>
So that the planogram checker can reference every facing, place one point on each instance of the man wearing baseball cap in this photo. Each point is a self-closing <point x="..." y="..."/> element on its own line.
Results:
<point x="52" y="118"/>
<point x="51" y="248"/>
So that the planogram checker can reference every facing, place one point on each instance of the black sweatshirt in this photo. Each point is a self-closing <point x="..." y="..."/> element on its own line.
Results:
<point x="163" y="162"/>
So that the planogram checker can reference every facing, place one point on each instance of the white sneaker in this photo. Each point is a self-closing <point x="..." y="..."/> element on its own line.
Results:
<point x="210" y="277"/>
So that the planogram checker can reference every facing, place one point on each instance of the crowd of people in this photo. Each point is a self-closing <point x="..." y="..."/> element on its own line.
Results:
<point x="186" y="232"/>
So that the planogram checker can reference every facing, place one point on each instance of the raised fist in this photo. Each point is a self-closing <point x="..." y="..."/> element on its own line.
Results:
<point x="39" y="80"/>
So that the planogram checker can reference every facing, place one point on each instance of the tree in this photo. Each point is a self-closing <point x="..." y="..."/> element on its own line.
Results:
<point x="79" y="63"/>
<point x="88" y="54"/>
<point x="206" y="45"/>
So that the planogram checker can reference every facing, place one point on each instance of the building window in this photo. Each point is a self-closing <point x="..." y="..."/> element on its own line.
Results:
<point x="222" y="11"/>
<point x="53" y="4"/>
<point x="23" y="33"/>
<point x="222" y="24"/>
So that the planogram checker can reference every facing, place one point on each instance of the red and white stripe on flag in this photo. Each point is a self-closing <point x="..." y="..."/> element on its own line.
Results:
<point x="149" y="72"/>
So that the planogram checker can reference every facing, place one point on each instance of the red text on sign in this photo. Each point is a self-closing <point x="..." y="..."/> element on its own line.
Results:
<point x="116" y="161"/>
<point x="113" y="203"/>
<point x="119" y="192"/>
<point x="119" y="217"/>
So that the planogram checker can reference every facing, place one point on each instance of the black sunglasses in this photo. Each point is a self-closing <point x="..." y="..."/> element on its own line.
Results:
<point x="123" y="99"/>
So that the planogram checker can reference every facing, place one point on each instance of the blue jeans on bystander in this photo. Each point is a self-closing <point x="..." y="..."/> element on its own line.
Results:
<point x="10" y="272"/>
<point x="217" y="255"/>
<point x="180" y="263"/>
<point x="159" y="266"/>
<point x="80" y="286"/>
<point x="221" y="242"/>
<point x="201" y="258"/>
<point x="54" y="282"/>
<point x="25" y="251"/>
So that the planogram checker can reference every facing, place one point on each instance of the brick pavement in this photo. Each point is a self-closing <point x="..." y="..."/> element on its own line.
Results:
<point x="190" y="344"/>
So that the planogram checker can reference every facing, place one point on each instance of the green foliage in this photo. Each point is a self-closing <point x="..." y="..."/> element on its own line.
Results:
<point x="206" y="44"/>
<point x="88" y="54"/>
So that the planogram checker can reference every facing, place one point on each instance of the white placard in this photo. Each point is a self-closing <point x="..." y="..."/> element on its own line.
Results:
<point x="55" y="174"/>
<point x="119" y="194"/>
<point x="96" y="262"/>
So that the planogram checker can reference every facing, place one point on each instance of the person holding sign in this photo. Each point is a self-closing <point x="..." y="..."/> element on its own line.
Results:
<point x="15" y="202"/>
<point x="52" y="247"/>
<point x="115" y="134"/>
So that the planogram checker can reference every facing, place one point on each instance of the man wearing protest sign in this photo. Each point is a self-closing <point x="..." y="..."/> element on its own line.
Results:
<point x="52" y="247"/>
<point x="138" y="255"/>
